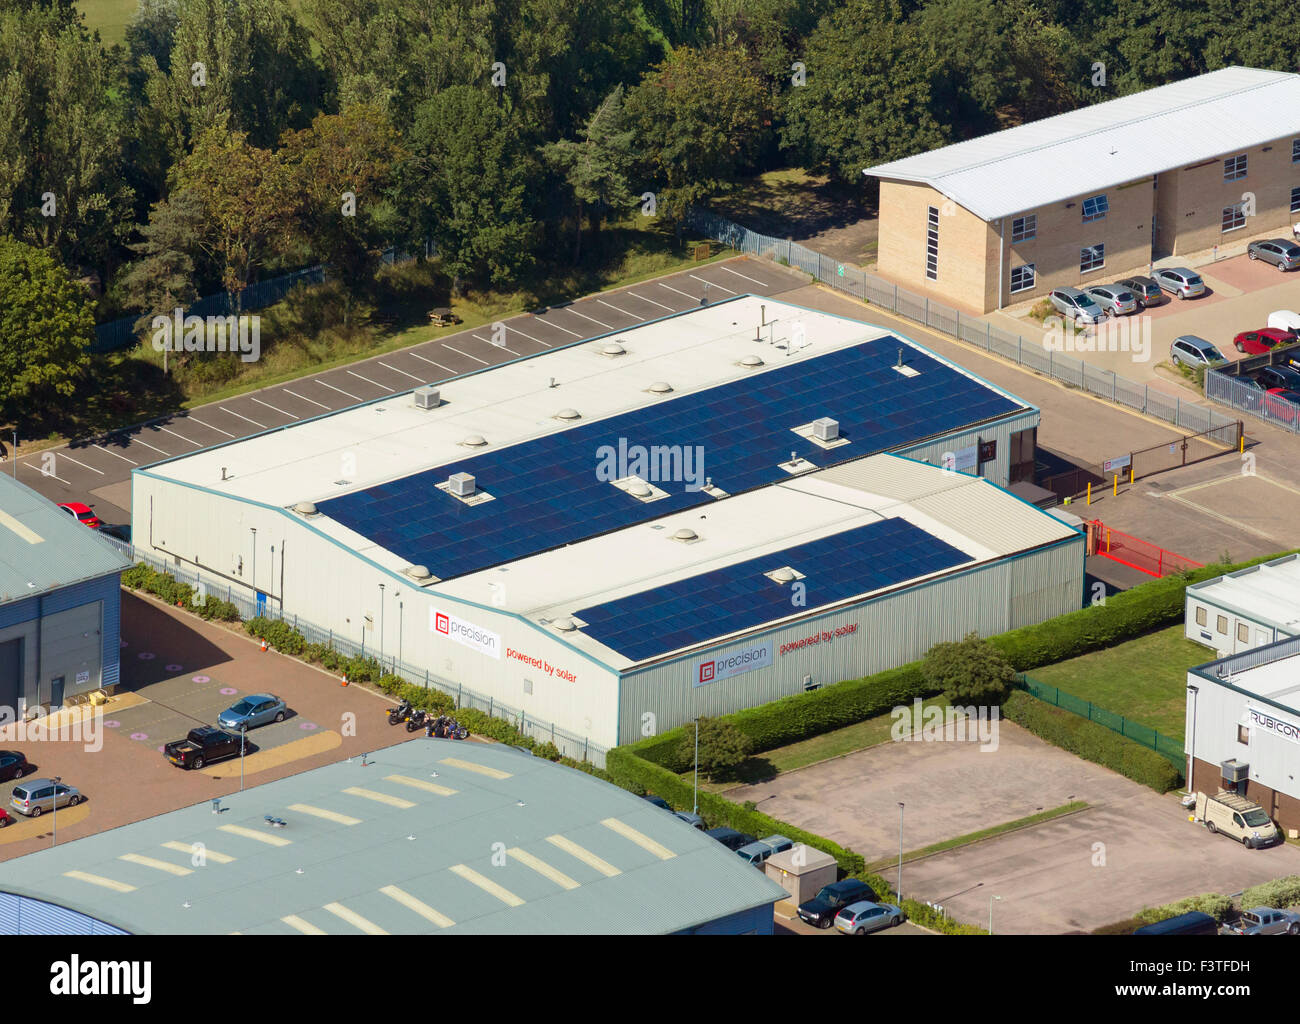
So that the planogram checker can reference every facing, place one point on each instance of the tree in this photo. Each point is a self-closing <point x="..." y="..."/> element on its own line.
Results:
<point x="971" y="671"/>
<point x="470" y="172"/>
<point x="162" y="280"/>
<point x="46" y="324"/>
<point x="722" y="746"/>
<point x="698" y="119"/>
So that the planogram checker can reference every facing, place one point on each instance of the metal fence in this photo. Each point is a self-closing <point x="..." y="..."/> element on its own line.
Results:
<point x="1244" y="397"/>
<point x="580" y="748"/>
<point x="1135" y="552"/>
<point x="1030" y="353"/>
<point x="1167" y="747"/>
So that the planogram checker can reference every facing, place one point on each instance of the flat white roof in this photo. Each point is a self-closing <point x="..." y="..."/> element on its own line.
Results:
<point x="1267" y="593"/>
<point x="1106" y="144"/>
<point x="966" y="512"/>
<point x="1278" y="681"/>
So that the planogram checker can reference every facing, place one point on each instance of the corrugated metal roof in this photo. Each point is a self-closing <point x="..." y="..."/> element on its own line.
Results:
<point x="1107" y="144"/>
<point x="1266" y="593"/>
<point x="430" y="835"/>
<point x="42" y="547"/>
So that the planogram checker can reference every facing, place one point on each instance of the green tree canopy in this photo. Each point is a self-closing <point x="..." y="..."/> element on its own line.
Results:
<point x="722" y="746"/>
<point x="971" y="671"/>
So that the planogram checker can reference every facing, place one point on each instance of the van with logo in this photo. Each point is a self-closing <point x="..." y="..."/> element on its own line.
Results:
<point x="1232" y="815"/>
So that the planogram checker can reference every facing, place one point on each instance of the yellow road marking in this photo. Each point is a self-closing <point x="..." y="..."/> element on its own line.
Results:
<point x="428" y="787"/>
<point x="542" y="868"/>
<point x="157" y="865"/>
<point x="583" y="854"/>
<point x="107" y="883"/>
<point x="470" y="766"/>
<point x="642" y="840"/>
<point x="419" y="906"/>
<point x="487" y="885"/>
<point x="306" y="927"/>
<point x="354" y="919"/>
<point x="193" y="848"/>
<point x="321" y="812"/>
<point x="382" y="798"/>
<point x="261" y="837"/>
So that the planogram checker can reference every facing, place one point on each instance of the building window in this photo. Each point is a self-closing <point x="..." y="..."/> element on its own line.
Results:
<point x="1234" y="217"/>
<point x="932" y="245"/>
<point x="1222" y="625"/>
<point x="1243" y="633"/>
<point x="1024" y="228"/>
<point x="1234" y="168"/>
<point x="1022" y="278"/>
<point x="1295" y="200"/>
<point x="1092" y="258"/>
<point x="1095" y="208"/>
<point x="1295" y="151"/>
<point x="1243" y="734"/>
<point x="1200" y="616"/>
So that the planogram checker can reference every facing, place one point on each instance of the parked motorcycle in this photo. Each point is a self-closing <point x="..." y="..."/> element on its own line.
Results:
<point x="416" y="721"/>
<point x="400" y="713"/>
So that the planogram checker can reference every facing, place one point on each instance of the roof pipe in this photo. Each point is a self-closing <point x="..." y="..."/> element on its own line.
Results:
<point x="1002" y="241"/>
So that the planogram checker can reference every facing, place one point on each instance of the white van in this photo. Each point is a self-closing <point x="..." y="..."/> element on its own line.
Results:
<point x="1285" y="320"/>
<point x="1238" y="818"/>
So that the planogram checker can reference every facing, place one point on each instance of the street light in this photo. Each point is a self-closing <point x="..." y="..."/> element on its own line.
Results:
<point x="696" y="808"/>
<point x="398" y="594"/>
<point x="254" y="532"/>
<point x="381" y="623"/>
<point x="1191" y="752"/>
<point x="991" y="899"/>
<point x="900" y="852"/>
<point x="243" y="740"/>
<point x="54" y="829"/>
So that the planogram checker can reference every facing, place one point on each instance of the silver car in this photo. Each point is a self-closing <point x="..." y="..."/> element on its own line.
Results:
<point x="1283" y="254"/>
<point x="37" y="796"/>
<point x="1180" y="281"/>
<point x="1267" y="921"/>
<point x="254" y="710"/>
<point x="863" y="918"/>
<point x="1079" y="306"/>
<point x="1114" y="299"/>
<point x="1189" y="350"/>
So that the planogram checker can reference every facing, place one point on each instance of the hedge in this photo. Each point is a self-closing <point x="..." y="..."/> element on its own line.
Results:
<point x="1212" y="903"/>
<point x="1091" y="741"/>
<point x="164" y="586"/>
<point x="1279" y="894"/>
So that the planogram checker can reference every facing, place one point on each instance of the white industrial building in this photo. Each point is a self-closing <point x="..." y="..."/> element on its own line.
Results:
<point x="1243" y="728"/>
<point x="688" y="518"/>
<point x="1247" y="608"/>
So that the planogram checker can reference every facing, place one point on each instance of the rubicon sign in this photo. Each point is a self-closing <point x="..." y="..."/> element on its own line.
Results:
<point x="465" y="633"/>
<point x="734" y="663"/>
<point x="1279" y="726"/>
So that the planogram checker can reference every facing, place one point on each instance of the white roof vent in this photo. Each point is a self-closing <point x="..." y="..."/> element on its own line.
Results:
<point x="568" y="414"/>
<point x="612" y="348"/>
<point x="750" y="361"/>
<point x="635" y="487"/>
<point x="306" y="508"/>
<point x="660" y="387"/>
<point x="427" y="397"/>
<point x="826" y="429"/>
<point x="686" y="536"/>
<point x="461" y="484"/>
<point x="565" y="625"/>
<point x="474" y="441"/>
<point x="419" y="573"/>
<point x="639" y="489"/>
<point x="785" y="574"/>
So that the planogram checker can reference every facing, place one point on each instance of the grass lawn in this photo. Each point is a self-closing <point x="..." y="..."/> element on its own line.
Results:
<point x="1144" y="679"/>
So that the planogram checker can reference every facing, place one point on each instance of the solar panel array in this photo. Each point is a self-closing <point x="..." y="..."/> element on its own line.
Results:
<point x="547" y="492"/>
<point x="740" y="596"/>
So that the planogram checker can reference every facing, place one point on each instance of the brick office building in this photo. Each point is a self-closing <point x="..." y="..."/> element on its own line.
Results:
<point x="1098" y="193"/>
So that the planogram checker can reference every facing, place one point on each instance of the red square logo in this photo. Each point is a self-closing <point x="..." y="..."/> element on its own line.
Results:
<point x="442" y="623"/>
<point x="706" y="671"/>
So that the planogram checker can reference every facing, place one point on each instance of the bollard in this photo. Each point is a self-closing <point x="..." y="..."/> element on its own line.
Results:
<point x="1090" y="492"/>
<point x="1115" y="489"/>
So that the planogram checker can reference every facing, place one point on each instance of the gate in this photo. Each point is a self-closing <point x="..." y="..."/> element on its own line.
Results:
<point x="1186" y="450"/>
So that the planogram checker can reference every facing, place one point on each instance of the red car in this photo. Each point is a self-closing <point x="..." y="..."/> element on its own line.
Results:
<point x="1257" y="342"/>
<point x="82" y="514"/>
<point x="5" y="820"/>
<point x="1282" y="404"/>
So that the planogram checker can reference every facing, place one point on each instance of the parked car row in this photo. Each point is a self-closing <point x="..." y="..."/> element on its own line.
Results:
<point x="1095" y="303"/>
<point x="694" y="820"/>
<point x="207" y="743"/>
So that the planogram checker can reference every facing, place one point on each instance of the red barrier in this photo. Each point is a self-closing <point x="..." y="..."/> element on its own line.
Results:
<point x="1135" y="552"/>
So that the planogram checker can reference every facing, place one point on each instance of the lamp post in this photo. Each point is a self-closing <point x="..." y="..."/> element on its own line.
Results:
<point x="243" y="741"/>
<point x="695" y="809"/>
<point x="900" y="852"/>
<point x="1191" y="750"/>
<point x="398" y="594"/>
<point x="253" y="530"/>
<point x="54" y="829"/>
<point x="381" y="623"/>
<point x="991" y="899"/>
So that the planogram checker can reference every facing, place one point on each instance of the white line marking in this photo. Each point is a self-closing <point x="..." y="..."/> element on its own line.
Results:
<point x="81" y="464"/>
<point x="473" y="766"/>
<point x="181" y="436"/>
<point x="466" y="355"/>
<point x="303" y="398"/>
<point x="402" y="372"/>
<point x="419" y="906"/>
<point x="640" y="838"/>
<point x="739" y="274"/>
<point x="201" y="423"/>
<point x="681" y="293"/>
<point x="583" y="854"/>
<point x="617" y="310"/>
<point x="43" y="473"/>
<point x="378" y="797"/>
<point x="325" y="813"/>
<point x="652" y="302"/>
<point x="542" y="868"/>
<point x="306" y="927"/>
<point x="591" y="318"/>
<point x="136" y="440"/>
<point x="528" y="336"/>
<point x="428" y="787"/>
<point x="564" y="329"/>
<point x="417" y="355"/>
<point x="494" y="344"/>
<point x="107" y="883"/>
<point x="339" y="390"/>
<point x="354" y="919"/>
<point x="273" y="408"/>
<point x="369" y="381"/>
<point x="487" y="885"/>
<point x="114" y="454"/>
<point x="156" y="864"/>
<point x="712" y="284"/>
<point x="212" y="855"/>
<point x="240" y="416"/>
<point x="249" y="833"/>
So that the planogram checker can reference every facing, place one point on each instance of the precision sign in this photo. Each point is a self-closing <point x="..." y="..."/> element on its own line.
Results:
<point x="1287" y="730"/>
<point x="1119" y="462"/>
<point x="734" y="663"/>
<point x="476" y="638"/>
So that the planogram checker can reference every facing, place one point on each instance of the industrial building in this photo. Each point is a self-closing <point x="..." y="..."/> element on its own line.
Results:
<point x="1243" y="728"/>
<point x="428" y="836"/>
<point x="1095" y="194"/>
<point x="60" y="604"/>
<point x="1245" y="609"/>
<point x="694" y="517"/>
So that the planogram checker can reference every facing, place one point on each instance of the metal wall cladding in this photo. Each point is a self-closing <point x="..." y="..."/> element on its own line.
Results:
<point x="998" y="471"/>
<point x="1217" y="712"/>
<point x="861" y="640"/>
<point x="21" y="915"/>
<point x="80" y="632"/>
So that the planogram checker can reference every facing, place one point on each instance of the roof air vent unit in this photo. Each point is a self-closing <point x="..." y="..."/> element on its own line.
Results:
<point x="419" y="573"/>
<point x="568" y="414"/>
<point x="826" y="429"/>
<point x="474" y="441"/>
<point x="306" y="508"/>
<point x="638" y="489"/>
<point x="751" y="361"/>
<point x="427" y="397"/>
<point x="783" y="575"/>
<point x="685" y="536"/>
<point x="903" y="368"/>
<point x="660" y="387"/>
<point x="565" y="625"/>
<point x="461" y="484"/>
<point x="612" y="348"/>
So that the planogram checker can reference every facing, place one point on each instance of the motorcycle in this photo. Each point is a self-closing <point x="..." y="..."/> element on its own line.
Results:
<point x="416" y="721"/>
<point x="456" y="731"/>
<point x="400" y="713"/>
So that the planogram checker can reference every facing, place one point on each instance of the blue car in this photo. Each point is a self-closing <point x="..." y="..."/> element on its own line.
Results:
<point x="254" y="710"/>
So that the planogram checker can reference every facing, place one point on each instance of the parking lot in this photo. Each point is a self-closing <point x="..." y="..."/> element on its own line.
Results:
<point x="97" y="471"/>
<point x="1131" y="849"/>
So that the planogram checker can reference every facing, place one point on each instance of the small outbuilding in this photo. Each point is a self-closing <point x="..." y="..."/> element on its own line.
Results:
<point x="1245" y="609"/>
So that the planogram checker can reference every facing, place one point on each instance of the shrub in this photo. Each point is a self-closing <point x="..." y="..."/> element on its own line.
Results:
<point x="280" y="635"/>
<point x="971" y="671"/>
<point x="1212" y="903"/>
<point x="1279" y="893"/>
<point x="548" y="750"/>
<point x="1091" y="741"/>
<point x="721" y="745"/>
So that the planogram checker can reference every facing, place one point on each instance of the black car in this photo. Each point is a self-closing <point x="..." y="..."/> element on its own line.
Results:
<point x="1145" y="290"/>
<point x="1278" y="377"/>
<point x="730" y="838"/>
<point x="203" y="746"/>
<point x="13" y="765"/>
<point x="658" y="801"/>
<point x="122" y="533"/>
<point x="820" y="911"/>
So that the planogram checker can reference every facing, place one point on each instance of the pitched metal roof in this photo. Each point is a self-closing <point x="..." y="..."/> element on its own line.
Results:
<point x="427" y="836"/>
<point x="42" y="547"/>
<point x="1107" y="144"/>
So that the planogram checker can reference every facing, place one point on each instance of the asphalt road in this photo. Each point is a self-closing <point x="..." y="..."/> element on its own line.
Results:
<point x="97" y="470"/>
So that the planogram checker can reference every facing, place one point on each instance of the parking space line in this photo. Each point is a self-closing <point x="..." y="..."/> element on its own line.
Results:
<point x="564" y="329"/>
<point x="201" y="423"/>
<point x="712" y="284"/>
<point x="339" y="390"/>
<point x="418" y="906"/>
<point x="494" y="344"/>
<point x="617" y="310"/>
<point x="591" y="318"/>
<point x="432" y="363"/>
<point x="254" y="422"/>
<point x="136" y="440"/>
<point x="681" y="293"/>
<point x="181" y="436"/>
<point x="114" y="454"/>
<point x="369" y="381"/>
<point x="652" y="302"/>
<point x="303" y="398"/>
<point x="739" y="274"/>
<point x="43" y="473"/>
<point x="528" y="336"/>
<point x="467" y="355"/>
<point x="402" y="372"/>
<point x="274" y="409"/>
<point x="81" y="464"/>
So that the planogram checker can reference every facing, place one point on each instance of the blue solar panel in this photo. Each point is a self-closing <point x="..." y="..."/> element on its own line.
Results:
<point x="547" y="492"/>
<point x="739" y="597"/>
